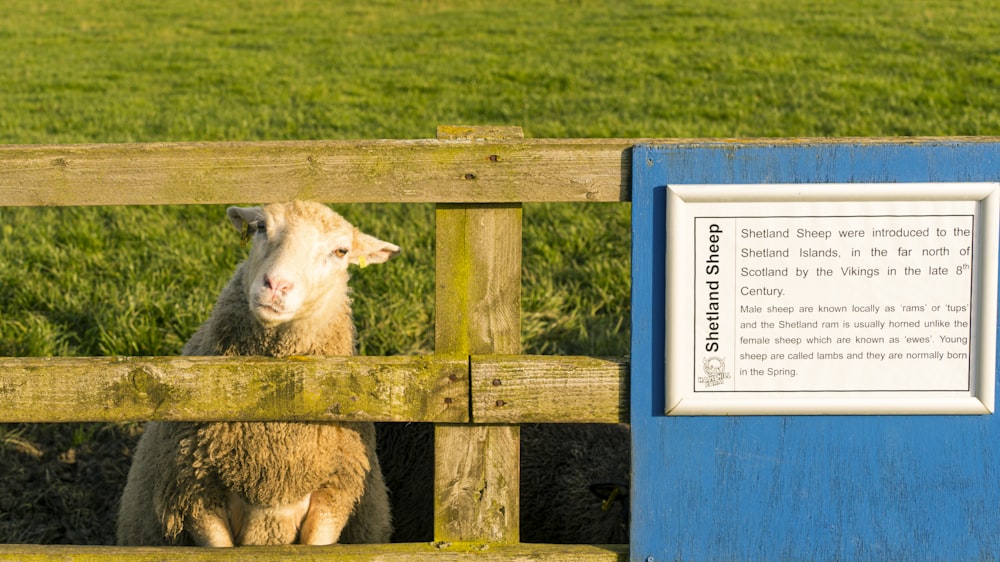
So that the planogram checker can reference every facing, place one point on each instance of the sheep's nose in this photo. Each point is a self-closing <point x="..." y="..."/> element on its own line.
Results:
<point x="277" y="286"/>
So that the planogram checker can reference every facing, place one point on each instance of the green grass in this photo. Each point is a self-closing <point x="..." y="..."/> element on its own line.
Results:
<point x="93" y="70"/>
<point x="138" y="281"/>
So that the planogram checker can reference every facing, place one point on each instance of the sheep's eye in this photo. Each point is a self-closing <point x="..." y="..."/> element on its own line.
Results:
<point x="340" y="252"/>
<point x="261" y="228"/>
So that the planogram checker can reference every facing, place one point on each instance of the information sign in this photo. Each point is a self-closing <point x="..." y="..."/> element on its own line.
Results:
<point x="827" y="298"/>
<point x="854" y="226"/>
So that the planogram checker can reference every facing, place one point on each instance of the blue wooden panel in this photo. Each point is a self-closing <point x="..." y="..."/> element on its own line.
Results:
<point x="799" y="487"/>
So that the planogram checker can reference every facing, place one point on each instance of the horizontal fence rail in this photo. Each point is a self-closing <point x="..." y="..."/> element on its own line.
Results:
<point x="234" y="388"/>
<point x="504" y="389"/>
<point x="419" y="171"/>
<point x="430" y="552"/>
<point x="545" y="389"/>
<point x="458" y="170"/>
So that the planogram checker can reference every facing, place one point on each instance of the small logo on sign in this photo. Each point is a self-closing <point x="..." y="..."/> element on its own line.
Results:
<point x="715" y="371"/>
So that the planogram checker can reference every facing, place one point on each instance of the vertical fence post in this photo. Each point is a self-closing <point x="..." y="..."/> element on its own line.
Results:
<point x="478" y="311"/>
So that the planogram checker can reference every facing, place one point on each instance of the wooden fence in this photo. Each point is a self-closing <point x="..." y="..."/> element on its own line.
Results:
<point x="479" y="177"/>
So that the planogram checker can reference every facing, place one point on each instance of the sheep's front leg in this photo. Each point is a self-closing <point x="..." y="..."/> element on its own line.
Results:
<point x="327" y="515"/>
<point x="211" y="528"/>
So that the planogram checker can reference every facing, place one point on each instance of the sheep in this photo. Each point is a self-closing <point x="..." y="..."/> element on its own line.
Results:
<point x="574" y="482"/>
<point x="241" y="483"/>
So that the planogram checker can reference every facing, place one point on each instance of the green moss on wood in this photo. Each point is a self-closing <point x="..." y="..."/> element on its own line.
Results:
<point x="244" y="388"/>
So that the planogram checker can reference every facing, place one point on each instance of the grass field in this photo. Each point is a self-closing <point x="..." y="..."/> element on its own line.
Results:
<point x="109" y="281"/>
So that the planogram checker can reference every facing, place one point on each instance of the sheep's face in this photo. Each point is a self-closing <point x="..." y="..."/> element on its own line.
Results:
<point x="298" y="263"/>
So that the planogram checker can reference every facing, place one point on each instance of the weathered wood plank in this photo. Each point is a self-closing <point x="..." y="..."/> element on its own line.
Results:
<point x="460" y="168"/>
<point x="478" y="283"/>
<point x="246" y="388"/>
<point x="477" y="483"/>
<point x="547" y="389"/>
<point x="405" y="171"/>
<point x="478" y="310"/>
<point x="422" y="552"/>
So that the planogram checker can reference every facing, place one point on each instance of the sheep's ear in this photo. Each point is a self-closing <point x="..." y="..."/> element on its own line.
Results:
<point x="242" y="218"/>
<point x="368" y="249"/>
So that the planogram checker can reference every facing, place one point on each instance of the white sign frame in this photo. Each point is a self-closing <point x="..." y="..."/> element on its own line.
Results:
<point x="791" y="204"/>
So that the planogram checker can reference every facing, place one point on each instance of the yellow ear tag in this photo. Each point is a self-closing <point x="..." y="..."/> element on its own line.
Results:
<point x="362" y="263"/>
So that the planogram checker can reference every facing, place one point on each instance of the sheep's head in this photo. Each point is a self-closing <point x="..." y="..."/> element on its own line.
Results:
<point x="298" y="263"/>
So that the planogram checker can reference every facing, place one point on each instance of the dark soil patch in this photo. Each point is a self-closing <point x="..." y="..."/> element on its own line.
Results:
<point x="61" y="482"/>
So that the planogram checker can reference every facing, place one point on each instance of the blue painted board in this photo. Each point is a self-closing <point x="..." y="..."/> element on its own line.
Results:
<point x="799" y="487"/>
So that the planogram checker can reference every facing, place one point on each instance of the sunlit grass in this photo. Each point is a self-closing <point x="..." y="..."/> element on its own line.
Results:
<point x="130" y="281"/>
